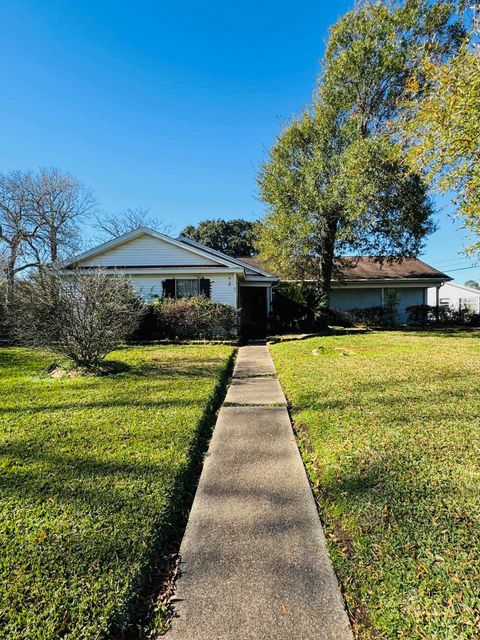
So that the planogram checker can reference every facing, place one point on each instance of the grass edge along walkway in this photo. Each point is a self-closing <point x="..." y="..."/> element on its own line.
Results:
<point x="254" y="561"/>
<point x="389" y="430"/>
<point x="89" y="470"/>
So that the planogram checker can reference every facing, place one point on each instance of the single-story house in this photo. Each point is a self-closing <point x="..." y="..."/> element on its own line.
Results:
<point x="162" y="266"/>
<point x="455" y="296"/>
<point x="364" y="281"/>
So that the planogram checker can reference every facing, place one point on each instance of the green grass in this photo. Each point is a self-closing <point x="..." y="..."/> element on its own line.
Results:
<point x="91" y="472"/>
<point x="389" y="427"/>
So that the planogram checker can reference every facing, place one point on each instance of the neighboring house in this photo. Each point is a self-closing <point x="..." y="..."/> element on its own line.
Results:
<point x="162" y="266"/>
<point x="455" y="296"/>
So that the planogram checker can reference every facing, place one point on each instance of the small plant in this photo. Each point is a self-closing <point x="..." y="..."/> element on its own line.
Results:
<point x="80" y="315"/>
<point x="391" y="300"/>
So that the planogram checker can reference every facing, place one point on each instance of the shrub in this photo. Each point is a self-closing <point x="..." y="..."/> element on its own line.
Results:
<point x="293" y="309"/>
<point x="187" y="319"/>
<point x="80" y="315"/>
<point x="370" y="317"/>
<point x="424" y="315"/>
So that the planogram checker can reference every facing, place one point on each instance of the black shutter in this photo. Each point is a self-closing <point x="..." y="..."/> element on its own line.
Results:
<point x="205" y="287"/>
<point x="169" y="288"/>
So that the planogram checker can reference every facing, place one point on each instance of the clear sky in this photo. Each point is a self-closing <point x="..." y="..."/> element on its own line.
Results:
<point x="167" y="105"/>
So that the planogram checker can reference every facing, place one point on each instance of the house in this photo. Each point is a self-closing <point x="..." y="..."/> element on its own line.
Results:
<point x="364" y="282"/>
<point x="455" y="296"/>
<point x="162" y="266"/>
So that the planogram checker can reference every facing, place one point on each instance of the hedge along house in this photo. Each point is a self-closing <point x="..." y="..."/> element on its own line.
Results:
<point x="364" y="282"/>
<point x="160" y="266"/>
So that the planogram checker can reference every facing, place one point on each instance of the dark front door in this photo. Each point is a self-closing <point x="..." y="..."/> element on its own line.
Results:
<point x="253" y="303"/>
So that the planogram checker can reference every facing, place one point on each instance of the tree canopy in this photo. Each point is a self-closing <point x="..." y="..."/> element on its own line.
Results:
<point x="235" y="238"/>
<point x="336" y="180"/>
<point x="441" y="127"/>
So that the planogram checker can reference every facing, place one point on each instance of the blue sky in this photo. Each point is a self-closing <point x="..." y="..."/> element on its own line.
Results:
<point x="166" y="105"/>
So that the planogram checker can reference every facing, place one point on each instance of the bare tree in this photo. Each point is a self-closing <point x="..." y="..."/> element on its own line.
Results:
<point x="17" y="226"/>
<point x="38" y="219"/>
<point x="82" y="315"/>
<point x="113" y="225"/>
<point x="58" y="202"/>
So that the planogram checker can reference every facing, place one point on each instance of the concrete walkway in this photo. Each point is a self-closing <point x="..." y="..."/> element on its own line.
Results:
<point x="254" y="562"/>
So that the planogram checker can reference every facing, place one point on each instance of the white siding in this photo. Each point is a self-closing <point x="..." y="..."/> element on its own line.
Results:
<point x="224" y="289"/>
<point x="223" y="286"/>
<point x="147" y="251"/>
<point x="454" y="293"/>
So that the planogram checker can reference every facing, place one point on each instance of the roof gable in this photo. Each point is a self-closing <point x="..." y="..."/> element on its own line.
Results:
<point x="144" y="247"/>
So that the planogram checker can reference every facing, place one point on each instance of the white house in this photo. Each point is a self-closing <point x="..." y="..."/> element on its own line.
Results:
<point x="456" y="296"/>
<point x="162" y="266"/>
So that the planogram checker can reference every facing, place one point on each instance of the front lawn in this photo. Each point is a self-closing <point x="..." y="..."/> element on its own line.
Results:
<point x="389" y="427"/>
<point x="91" y="472"/>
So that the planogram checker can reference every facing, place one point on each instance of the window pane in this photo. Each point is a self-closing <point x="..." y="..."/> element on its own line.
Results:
<point x="186" y="288"/>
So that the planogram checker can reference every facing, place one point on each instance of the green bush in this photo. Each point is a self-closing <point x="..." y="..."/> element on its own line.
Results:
<point x="370" y="317"/>
<point x="195" y="318"/>
<point x="293" y="309"/>
<point x="423" y="315"/>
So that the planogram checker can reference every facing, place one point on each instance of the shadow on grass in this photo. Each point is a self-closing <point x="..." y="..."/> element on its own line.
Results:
<point x="167" y="536"/>
<point x="85" y="406"/>
<point x="404" y="512"/>
<point x="44" y="474"/>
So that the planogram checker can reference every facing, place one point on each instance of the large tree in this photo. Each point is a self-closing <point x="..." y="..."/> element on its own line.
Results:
<point x="441" y="127"/>
<point x="113" y="225"/>
<point x="39" y="215"/>
<point x="234" y="237"/>
<point x="335" y="179"/>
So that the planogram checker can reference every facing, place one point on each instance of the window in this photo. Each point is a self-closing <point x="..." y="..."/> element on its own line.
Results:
<point x="186" y="287"/>
<point x="444" y="302"/>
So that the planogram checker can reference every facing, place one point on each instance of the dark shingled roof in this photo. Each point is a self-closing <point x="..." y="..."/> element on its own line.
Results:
<point x="367" y="268"/>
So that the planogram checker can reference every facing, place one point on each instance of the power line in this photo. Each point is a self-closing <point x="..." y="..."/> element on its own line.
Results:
<point x="475" y="266"/>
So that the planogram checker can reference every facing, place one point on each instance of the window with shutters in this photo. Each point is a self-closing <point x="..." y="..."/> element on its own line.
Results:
<point x="186" y="287"/>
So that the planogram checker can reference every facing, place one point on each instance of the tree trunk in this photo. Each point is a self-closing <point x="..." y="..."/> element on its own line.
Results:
<point x="325" y="271"/>
<point x="10" y="273"/>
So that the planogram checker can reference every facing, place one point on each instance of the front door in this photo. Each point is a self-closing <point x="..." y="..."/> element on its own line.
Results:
<point x="253" y="303"/>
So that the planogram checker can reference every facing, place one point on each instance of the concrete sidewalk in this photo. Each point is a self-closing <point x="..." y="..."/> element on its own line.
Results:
<point x="254" y="562"/>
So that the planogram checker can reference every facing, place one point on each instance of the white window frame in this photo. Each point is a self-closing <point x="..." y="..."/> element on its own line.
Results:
<point x="196" y="280"/>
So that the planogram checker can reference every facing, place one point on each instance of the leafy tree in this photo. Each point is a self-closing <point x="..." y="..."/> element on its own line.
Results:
<point x="441" y="127"/>
<point x="113" y="225"/>
<point x="335" y="179"/>
<point x="472" y="283"/>
<point x="233" y="237"/>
